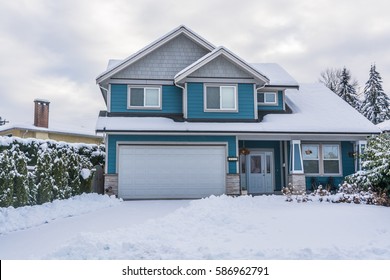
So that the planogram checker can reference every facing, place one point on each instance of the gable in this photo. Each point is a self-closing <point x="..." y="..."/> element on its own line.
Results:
<point x="220" y="67"/>
<point x="165" y="61"/>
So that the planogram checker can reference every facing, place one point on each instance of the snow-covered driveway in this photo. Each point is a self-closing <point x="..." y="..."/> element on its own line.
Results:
<point x="263" y="227"/>
<point x="91" y="213"/>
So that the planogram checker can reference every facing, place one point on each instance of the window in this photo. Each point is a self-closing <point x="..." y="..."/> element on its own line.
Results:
<point x="330" y="154"/>
<point x="321" y="159"/>
<point x="268" y="98"/>
<point x="311" y="160"/>
<point x="144" y="97"/>
<point x="221" y="98"/>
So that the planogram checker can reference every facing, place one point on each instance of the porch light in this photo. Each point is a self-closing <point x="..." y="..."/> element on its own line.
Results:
<point x="244" y="151"/>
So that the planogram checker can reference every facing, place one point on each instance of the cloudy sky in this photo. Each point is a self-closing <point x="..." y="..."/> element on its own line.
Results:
<point x="55" y="49"/>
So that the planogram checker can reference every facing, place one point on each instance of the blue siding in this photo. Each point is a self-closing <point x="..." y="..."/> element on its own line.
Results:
<point x="279" y="107"/>
<point x="348" y="167"/>
<point x="275" y="145"/>
<point x="172" y="100"/>
<point x="113" y="139"/>
<point x="196" y="103"/>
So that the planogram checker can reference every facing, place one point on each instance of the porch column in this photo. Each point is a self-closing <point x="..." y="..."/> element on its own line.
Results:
<point x="296" y="176"/>
<point x="360" y="146"/>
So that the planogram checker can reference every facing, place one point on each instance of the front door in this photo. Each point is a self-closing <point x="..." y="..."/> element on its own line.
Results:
<point x="260" y="172"/>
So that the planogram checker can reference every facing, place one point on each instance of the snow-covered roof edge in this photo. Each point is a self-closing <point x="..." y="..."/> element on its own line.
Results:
<point x="278" y="75"/>
<point x="59" y="130"/>
<point x="384" y="126"/>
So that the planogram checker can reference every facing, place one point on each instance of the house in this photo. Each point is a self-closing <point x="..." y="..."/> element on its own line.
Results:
<point x="41" y="129"/>
<point x="187" y="119"/>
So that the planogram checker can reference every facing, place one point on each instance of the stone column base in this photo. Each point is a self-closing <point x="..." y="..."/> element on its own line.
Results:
<point x="298" y="182"/>
<point x="233" y="184"/>
<point x="111" y="184"/>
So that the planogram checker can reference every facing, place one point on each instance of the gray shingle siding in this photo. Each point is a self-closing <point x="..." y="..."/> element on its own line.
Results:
<point x="166" y="61"/>
<point x="222" y="68"/>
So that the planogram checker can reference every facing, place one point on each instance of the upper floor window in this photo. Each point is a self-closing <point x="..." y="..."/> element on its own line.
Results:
<point x="321" y="159"/>
<point x="221" y="98"/>
<point x="144" y="97"/>
<point x="267" y="98"/>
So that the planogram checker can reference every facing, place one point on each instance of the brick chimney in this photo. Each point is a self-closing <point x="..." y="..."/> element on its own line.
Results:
<point x="41" y="113"/>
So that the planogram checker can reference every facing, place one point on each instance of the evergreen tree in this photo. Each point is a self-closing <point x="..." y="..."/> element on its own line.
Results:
<point x="346" y="90"/>
<point x="375" y="106"/>
<point x="61" y="189"/>
<point x="44" y="177"/>
<point x="74" y="171"/>
<point x="6" y="179"/>
<point x="20" y="180"/>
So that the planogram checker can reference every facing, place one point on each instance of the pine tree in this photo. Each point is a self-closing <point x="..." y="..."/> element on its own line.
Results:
<point x="6" y="179"/>
<point x="376" y="104"/>
<point x="20" y="180"/>
<point x="346" y="90"/>
<point x="44" y="177"/>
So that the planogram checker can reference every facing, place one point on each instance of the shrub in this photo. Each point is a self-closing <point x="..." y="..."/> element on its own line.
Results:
<point x="375" y="161"/>
<point x="34" y="171"/>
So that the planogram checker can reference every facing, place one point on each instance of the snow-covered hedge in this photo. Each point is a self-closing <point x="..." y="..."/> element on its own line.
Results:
<point x="346" y="193"/>
<point x="35" y="171"/>
<point x="375" y="173"/>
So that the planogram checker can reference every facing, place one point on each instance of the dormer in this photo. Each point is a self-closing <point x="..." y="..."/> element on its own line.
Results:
<point x="220" y="86"/>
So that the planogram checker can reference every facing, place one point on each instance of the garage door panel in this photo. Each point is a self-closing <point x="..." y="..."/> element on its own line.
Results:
<point x="171" y="171"/>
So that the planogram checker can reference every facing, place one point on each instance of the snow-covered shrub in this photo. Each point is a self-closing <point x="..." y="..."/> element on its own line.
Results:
<point x="20" y="179"/>
<point x="44" y="177"/>
<point x="375" y="160"/>
<point x="321" y="194"/>
<point x="6" y="180"/>
<point x="352" y="193"/>
<point x="292" y="193"/>
<point x="34" y="171"/>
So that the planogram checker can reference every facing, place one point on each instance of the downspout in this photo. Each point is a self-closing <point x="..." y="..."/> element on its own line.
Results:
<point x="184" y="98"/>
<point x="24" y="134"/>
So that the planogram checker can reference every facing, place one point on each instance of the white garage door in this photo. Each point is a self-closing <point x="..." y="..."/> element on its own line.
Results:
<point x="158" y="171"/>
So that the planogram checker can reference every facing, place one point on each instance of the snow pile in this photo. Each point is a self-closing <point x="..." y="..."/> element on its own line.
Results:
<point x="263" y="227"/>
<point x="12" y="219"/>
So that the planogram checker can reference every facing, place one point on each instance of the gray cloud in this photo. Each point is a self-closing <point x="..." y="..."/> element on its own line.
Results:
<point x="55" y="49"/>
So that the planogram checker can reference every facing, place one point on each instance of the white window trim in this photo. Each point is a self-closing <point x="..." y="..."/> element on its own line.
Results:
<point x="321" y="160"/>
<point x="159" y="107"/>
<point x="235" y="109"/>
<point x="276" y="103"/>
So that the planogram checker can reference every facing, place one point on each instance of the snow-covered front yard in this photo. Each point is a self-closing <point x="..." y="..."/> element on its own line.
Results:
<point x="263" y="227"/>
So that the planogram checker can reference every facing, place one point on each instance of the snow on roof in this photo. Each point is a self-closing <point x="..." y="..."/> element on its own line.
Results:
<point x="53" y="127"/>
<point x="277" y="75"/>
<point x="315" y="108"/>
<point x="384" y="126"/>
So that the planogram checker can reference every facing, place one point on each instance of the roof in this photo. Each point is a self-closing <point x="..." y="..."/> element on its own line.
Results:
<point x="276" y="74"/>
<point x="384" y="126"/>
<point x="216" y="53"/>
<point x="315" y="109"/>
<point x="53" y="128"/>
<point x="114" y="68"/>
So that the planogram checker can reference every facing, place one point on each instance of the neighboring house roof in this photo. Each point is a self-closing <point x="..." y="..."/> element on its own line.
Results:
<point x="384" y="126"/>
<point x="221" y="51"/>
<point x="115" y="68"/>
<point x="315" y="109"/>
<point x="53" y="128"/>
<point x="276" y="74"/>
